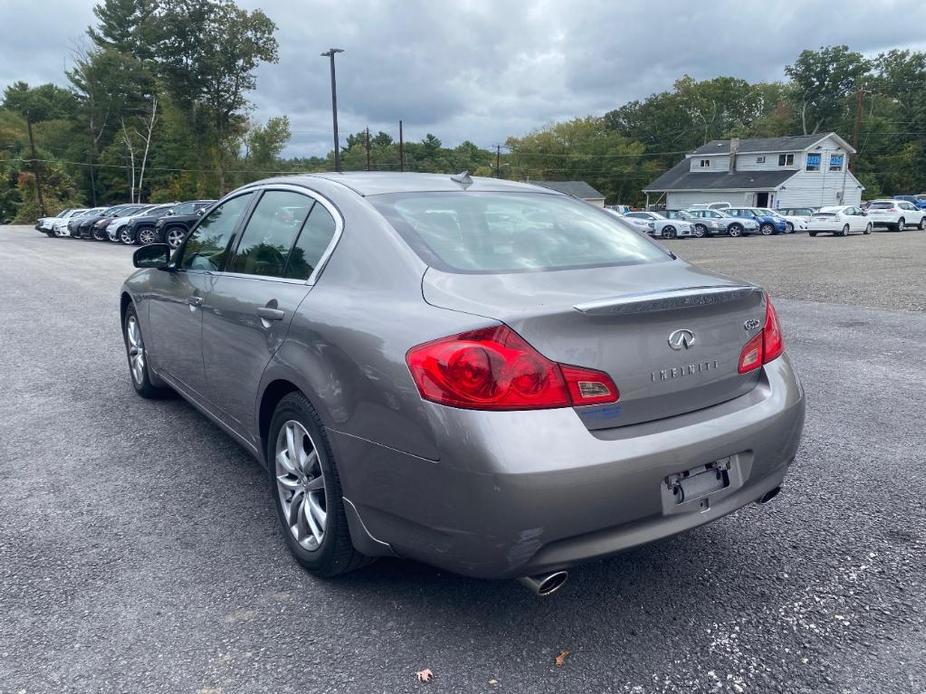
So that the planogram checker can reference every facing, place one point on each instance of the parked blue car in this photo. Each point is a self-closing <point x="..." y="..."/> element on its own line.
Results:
<point x="769" y="222"/>
<point x="919" y="202"/>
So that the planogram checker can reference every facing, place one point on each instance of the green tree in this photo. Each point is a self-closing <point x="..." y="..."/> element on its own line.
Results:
<point x="37" y="104"/>
<point x="823" y="79"/>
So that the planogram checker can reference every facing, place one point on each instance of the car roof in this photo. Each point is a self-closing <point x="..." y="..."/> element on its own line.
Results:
<point x="382" y="182"/>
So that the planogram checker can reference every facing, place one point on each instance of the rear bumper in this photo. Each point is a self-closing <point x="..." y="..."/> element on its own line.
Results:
<point x="517" y="493"/>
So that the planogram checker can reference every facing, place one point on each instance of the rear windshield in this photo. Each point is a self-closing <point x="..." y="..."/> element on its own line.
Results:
<point x="512" y="232"/>
<point x="825" y="214"/>
<point x="881" y="206"/>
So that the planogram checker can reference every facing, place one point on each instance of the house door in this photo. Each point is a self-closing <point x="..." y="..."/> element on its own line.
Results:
<point x="762" y="199"/>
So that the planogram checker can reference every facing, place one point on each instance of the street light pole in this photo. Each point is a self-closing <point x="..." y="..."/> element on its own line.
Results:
<point x="334" y="106"/>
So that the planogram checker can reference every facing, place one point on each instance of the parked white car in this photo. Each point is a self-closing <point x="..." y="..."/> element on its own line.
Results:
<point x="896" y="214"/>
<point x="711" y="206"/>
<point x="641" y="225"/>
<point x="841" y="220"/>
<point x="663" y="227"/>
<point x="796" y="217"/>
<point x="60" y="226"/>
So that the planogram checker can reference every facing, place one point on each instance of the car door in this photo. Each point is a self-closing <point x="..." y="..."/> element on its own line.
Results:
<point x="176" y="297"/>
<point x="857" y="219"/>
<point x="248" y="312"/>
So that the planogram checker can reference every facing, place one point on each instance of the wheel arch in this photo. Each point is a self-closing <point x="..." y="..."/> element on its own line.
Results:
<point x="270" y="397"/>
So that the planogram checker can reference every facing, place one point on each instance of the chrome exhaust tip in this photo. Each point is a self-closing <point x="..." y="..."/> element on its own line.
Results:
<point x="769" y="495"/>
<point x="544" y="584"/>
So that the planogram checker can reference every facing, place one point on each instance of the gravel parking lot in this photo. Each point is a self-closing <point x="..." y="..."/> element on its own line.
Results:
<point x="139" y="550"/>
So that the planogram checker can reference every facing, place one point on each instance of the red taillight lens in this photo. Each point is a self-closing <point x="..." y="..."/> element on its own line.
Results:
<point x="496" y="369"/>
<point x="766" y="345"/>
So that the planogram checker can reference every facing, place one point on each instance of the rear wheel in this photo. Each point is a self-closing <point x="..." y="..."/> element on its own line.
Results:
<point x="790" y="228"/>
<point x="868" y="229"/>
<point x="845" y="231"/>
<point x="735" y="230"/>
<point x="99" y="235"/>
<point x="922" y="225"/>
<point x="767" y="229"/>
<point x="668" y="232"/>
<point x="700" y="231"/>
<point x="811" y="233"/>
<point x="126" y="236"/>
<point x="306" y="490"/>
<point x="901" y="224"/>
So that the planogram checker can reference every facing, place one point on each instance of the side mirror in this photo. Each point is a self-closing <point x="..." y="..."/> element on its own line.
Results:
<point x="156" y="256"/>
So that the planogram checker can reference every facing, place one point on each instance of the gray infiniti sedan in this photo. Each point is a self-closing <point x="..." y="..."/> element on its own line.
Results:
<point x="487" y="376"/>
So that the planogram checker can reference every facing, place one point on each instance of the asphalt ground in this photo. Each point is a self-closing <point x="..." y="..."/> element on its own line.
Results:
<point x="139" y="550"/>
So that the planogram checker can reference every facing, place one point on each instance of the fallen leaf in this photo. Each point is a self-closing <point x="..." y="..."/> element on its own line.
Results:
<point x="560" y="660"/>
<point x="493" y="681"/>
<point x="424" y="675"/>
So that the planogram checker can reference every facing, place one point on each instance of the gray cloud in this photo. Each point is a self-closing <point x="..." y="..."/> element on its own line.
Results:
<point x="483" y="69"/>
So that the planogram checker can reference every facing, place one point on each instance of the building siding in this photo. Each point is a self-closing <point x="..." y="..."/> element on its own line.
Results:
<point x="747" y="162"/>
<point x="683" y="200"/>
<point x="718" y="163"/>
<point x="820" y="188"/>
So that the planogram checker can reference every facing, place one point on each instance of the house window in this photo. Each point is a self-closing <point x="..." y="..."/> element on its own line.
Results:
<point x="813" y="161"/>
<point x="705" y="163"/>
<point x="760" y="160"/>
<point x="836" y="162"/>
<point x="785" y="160"/>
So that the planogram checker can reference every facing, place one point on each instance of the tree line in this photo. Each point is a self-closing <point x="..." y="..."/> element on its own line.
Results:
<point x="157" y="108"/>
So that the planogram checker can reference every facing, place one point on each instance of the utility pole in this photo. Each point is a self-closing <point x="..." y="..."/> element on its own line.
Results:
<point x="330" y="53"/>
<point x="40" y="201"/>
<point x="498" y="161"/>
<point x="859" y="95"/>
<point x="401" y="149"/>
<point x="368" y="149"/>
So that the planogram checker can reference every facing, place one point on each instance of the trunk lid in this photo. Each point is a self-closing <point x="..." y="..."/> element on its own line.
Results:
<point x="620" y="320"/>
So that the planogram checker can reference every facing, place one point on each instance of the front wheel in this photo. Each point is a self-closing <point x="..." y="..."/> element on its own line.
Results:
<point x="735" y="230"/>
<point x="126" y="236"/>
<point x="668" y="232"/>
<point x="790" y="228"/>
<point x="922" y="225"/>
<point x="138" y="358"/>
<point x="99" y="235"/>
<point x="174" y="236"/>
<point x="844" y="231"/>
<point x="306" y="490"/>
<point x="868" y="229"/>
<point x="146" y="236"/>
<point x="767" y="229"/>
<point x="811" y="233"/>
<point x="901" y="224"/>
<point x="700" y="231"/>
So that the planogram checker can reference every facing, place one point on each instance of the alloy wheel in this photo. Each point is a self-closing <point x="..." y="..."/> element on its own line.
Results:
<point x="699" y="231"/>
<point x="767" y="229"/>
<point x="126" y="237"/>
<point x="845" y="231"/>
<point x="901" y="224"/>
<point x="146" y="236"/>
<point x="175" y="237"/>
<point x="790" y="229"/>
<point x="301" y="485"/>
<point x="136" y="350"/>
<point x="668" y="232"/>
<point x="868" y="229"/>
<point x="735" y="230"/>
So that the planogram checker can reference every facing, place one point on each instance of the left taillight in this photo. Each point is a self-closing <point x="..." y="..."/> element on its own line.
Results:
<point x="766" y="345"/>
<point x="496" y="369"/>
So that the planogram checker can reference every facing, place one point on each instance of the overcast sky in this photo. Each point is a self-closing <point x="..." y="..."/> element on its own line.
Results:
<point x="485" y="69"/>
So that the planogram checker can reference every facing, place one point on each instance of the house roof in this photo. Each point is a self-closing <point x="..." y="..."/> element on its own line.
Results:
<point x="578" y="189"/>
<point x="681" y="177"/>
<point x="792" y="143"/>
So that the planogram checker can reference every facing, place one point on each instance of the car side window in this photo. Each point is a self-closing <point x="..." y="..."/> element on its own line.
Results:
<point x="206" y="247"/>
<point x="314" y="239"/>
<point x="271" y="231"/>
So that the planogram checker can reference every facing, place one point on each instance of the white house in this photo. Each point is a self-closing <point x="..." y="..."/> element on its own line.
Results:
<point x="797" y="171"/>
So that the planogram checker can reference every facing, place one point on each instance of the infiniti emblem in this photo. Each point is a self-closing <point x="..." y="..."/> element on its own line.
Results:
<point x="751" y="324"/>
<point x="681" y="339"/>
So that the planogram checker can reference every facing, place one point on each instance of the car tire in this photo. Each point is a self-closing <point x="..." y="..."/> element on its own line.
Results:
<point x="901" y="224"/>
<point x="126" y="236"/>
<point x="844" y="231"/>
<point x="99" y="235"/>
<point x="173" y="236"/>
<point x="668" y="232"/>
<point x="735" y="230"/>
<point x="922" y="225"/>
<point x="789" y="228"/>
<point x="868" y="229"/>
<point x="700" y="231"/>
<point x="766" y="229"/>
<point x="145" y="236"/>
<point x="318" y="538"/>
<point x="143" y="382"/>
<point x="811" y="233"/>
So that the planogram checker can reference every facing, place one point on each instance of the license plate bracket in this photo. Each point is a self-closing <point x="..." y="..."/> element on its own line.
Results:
<point x="699" y="481"/>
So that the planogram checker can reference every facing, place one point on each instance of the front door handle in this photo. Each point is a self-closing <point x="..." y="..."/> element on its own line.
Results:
<point x="267" y="313"/>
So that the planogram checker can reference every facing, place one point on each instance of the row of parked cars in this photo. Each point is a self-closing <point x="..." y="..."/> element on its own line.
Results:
<point x="722" y="219"/>
<point x="130" y="224"/>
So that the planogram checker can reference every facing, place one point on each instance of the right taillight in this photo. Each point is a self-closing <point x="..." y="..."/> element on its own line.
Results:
<point x="766" y="345"/>
<point x="496" y="369"/>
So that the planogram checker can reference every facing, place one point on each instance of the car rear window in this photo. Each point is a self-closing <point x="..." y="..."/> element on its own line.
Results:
<point x="881" y="206"/>
<point x="512" y="232"/>
<point x="824" y="214"/>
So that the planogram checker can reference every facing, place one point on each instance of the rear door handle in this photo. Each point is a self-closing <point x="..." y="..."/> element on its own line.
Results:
<point x="266" y="313"/>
